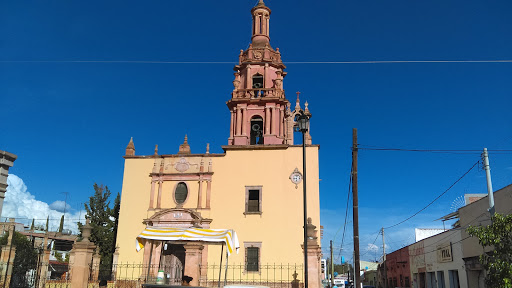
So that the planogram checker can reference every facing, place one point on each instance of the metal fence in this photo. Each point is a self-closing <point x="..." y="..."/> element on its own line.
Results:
<point x="134" y="275"/>
<point x="270" y="275"/>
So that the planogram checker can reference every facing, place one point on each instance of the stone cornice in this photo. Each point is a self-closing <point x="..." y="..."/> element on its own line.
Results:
<point x="263" y="147"/>
<point x="173" y="156"/>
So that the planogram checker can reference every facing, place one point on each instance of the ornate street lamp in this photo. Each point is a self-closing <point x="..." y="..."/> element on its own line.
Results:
<point x="302" y="120"/>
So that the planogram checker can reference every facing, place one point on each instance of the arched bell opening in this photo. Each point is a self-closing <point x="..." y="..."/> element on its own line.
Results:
<point x="256" y="130"/>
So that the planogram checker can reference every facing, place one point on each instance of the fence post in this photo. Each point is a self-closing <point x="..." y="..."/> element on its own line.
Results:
<point x="314" y="254"/>
<point x="82" y="254"/>
<point x="45" y="259"/>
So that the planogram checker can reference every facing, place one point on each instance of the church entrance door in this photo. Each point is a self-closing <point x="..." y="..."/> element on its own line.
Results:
<point x="173" y="263"/>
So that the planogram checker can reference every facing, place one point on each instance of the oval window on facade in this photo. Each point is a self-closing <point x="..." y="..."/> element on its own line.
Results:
<point x="181" y="192"/>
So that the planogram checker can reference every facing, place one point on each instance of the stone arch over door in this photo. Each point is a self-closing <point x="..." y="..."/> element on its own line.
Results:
<point x="177" y="259"/>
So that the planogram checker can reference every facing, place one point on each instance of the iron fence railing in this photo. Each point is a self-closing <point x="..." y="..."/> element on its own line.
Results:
<point x="135" y="275"/>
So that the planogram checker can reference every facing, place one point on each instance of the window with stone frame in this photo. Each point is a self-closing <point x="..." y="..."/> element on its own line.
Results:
<point x="180" y="193"/>
<point x="253" y="199"/>
<point x="252" y="256"/>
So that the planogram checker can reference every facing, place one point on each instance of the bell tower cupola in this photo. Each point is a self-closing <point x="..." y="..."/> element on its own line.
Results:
<point x="260" y="25"/>
<point x="260" y="112"/>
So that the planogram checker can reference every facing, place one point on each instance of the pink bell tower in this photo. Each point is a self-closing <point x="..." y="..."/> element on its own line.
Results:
<point x="260" y="113"/>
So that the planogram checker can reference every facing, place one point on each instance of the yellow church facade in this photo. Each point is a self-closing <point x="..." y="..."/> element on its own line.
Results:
<point x="255" y="187"/>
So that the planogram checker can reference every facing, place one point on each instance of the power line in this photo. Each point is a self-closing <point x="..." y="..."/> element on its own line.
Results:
<point x="446" y="151"/>
<point x="346" y="209"/>
<point x="435" y="198"/>
<point x="233" y="62"/>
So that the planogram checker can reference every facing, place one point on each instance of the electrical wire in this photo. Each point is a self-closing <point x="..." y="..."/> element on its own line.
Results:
<point x="460" y="178"/>
<point x="445" y="151"/>
<point x="233" y="62"/>
<point x="346" y="210"/>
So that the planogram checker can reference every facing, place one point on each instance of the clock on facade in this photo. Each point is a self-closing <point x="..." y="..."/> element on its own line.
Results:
<point x="296" y="177"/>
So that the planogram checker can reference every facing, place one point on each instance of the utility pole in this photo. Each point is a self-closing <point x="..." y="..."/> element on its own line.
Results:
<point x="354" y="267"/>
<point x="384" y="259"/>
<point x="487" y="169"/>
<point x="332" y="268"/>
<point x="357" y="275"/>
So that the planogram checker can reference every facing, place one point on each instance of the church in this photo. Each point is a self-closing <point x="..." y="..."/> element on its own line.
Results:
<point x="254" y="187"/>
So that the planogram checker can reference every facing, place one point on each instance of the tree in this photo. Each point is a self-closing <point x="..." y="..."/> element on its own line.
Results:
<point x="47" y="223"/>
<point x="103" y="221"/>
<point x="26" y="255"/>
<point x="61" y="226"/>
<point x="32" y="226"/>
<point x="498" y="262"/>
<point x="117" y="207"/>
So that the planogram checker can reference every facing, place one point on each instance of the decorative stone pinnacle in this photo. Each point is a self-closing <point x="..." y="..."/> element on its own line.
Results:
<point x="86" y="231"/>
<point x="261" y="4"/>
<point x="130" y="144"/>
<point x="184" y="148"/>
<point x="130" y="149"/>
<point x="156" y="149"/>
<point x="297" y="103"/>
<point x="207" y="148"/>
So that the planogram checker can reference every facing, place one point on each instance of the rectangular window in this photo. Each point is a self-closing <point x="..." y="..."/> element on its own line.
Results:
<point x="454" y="278"/>
<point x="440" y="279"/>
<point x="252" y="256"/>
<point x="431" y="280"/>
<point x="253" y="199"/>
<point x="407" y="283"/>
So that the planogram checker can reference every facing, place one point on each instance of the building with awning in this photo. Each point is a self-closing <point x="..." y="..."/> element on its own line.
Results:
<point x="254" y="187"/>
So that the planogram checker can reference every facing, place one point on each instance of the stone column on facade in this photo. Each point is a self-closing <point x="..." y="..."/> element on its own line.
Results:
<point x="152" y="195"/>
<point x="193" y="260"/>
<point x="151" y="259"/>
<point x="200" y="194"/>
<point x="232" y="125"/>
<point x="159" y="198"/>
<point x="281" y="121"/>
<point x="243" y="120"/>
<point x="274" y="121"/>
<point x="265" y="74"/>
<point x="82" y="255"/>
<point x="249" y="75"/>
<point x="267" y="120"/>
<point x="257" y="24"/>
<point x="314" y="255"/>
<point x="208" y="192"/>
<point x="238" y="121"/>
<point x="268" y="24"/>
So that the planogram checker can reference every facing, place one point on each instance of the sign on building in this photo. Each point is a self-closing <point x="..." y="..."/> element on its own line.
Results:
<point x="444" y="252"/>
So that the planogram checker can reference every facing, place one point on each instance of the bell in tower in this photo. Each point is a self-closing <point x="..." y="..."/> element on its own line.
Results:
<point x="260" y="113"/>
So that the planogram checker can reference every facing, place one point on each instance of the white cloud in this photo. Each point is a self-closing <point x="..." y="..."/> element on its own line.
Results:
<point x="372" y="247"/>
<point x="23" y="206"/>
<point x="60" y="206"/>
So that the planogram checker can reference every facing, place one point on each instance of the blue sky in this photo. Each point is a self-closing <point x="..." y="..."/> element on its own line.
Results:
<point x="70" y="122"/>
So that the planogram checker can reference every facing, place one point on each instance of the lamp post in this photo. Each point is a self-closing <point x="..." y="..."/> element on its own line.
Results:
<point x="302" y="120"/>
